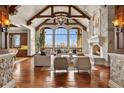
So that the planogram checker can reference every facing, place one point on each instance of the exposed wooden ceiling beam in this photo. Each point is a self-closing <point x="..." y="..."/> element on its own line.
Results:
<point x="35" y="16"/>
<point x="67" y="23"/>
<point x="44" y="16"/>
<point x="13" y="9"/>
<point x="50" y="16"/>
<point x="62" y="5"/>
<point x="70" y="23"/>
<point x="85" y="15"/>
<point x="57" y="24"/>
<point x="69" y="11"/>
<point x="41" y="24"/>
<point x="50" y="24"/>
<point x="52" y="11"/>
<point x="80" y="24"/>
<point x="77" y="16"/>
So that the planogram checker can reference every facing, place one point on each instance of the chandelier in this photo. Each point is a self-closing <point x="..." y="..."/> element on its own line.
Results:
<point x="60" y="18"/>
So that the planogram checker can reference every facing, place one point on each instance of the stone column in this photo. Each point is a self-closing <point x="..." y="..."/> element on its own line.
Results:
<point x="111" y="38"/>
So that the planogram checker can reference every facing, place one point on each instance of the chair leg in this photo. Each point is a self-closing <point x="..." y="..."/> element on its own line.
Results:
<point x="78" y="70"/>
<point x="67" y="69"/>
<point x="75" y="69"/>
<point x="54" y="70"/>
<point x="89" y="71"/>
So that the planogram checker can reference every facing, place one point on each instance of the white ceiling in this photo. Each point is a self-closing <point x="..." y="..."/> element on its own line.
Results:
<point x="25" y="12"/>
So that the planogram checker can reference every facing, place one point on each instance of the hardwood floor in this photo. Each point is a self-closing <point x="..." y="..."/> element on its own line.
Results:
<point x="27" y="76"/>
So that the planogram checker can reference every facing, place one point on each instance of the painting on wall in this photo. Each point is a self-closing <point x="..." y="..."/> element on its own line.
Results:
<point x="96" y="22"/>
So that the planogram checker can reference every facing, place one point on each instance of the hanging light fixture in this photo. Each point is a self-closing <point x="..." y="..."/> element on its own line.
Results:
<point x="119" y="22"/>
<point x="60" y="18"/>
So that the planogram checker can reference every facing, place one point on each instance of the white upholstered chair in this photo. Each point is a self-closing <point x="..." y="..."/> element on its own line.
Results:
<point x="83" y="63"/>
<point x="40" y="60"/>
<point x="61" y="63"/>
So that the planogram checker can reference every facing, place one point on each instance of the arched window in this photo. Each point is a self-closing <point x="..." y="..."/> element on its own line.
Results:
<point x="61" y="37"/>
<point x="73" y="37"/>
<point x="48" y="37"/>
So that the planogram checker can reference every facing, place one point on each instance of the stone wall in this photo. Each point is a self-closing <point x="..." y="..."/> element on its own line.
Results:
<point x="116" y="70"/>
<point x="111" y="38"/>
<point x="6" y="70"/>
<point x="104" y="32"/>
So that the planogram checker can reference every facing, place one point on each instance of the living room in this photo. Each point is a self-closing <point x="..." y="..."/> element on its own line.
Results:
<point x="74" y="46"/>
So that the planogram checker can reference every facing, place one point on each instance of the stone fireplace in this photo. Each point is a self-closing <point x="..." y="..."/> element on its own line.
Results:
<point x="96" y="46"/>
<point x="96" y="50"/>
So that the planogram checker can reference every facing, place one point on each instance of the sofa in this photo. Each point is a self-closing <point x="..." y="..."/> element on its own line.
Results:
<point x="42" y="60"/>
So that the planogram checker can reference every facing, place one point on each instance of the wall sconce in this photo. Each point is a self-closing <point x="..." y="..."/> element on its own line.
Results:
<point x="4" y="20"/>
<point x="119" y="23"/>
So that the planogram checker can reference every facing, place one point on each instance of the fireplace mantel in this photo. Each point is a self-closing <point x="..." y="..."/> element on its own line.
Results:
<point x="95" y="39"/>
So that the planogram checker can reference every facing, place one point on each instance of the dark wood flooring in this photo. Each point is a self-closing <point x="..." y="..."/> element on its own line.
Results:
<point x="27" y="76"/>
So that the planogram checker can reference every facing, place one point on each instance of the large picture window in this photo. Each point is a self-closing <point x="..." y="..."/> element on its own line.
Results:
<point x="61" y="38"/>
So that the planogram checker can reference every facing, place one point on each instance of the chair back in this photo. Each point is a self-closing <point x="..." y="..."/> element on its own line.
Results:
<point x="83" y="63"/>
<point x="60" y="63"/>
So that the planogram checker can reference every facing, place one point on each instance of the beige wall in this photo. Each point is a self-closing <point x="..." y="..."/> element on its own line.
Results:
<point x="85" y="45"/>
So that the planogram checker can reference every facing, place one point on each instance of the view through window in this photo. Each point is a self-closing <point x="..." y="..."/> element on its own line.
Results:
<point x="48" y="37"/>
<point x="61" y="38"/>
<point x="73" y="38"/>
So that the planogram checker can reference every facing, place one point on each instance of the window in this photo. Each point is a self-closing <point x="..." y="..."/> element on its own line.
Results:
<point x="15" y="40"/>
<point x="73" y="38"/>
<point x="60" y="38"/>
<point x="48" y="37"/>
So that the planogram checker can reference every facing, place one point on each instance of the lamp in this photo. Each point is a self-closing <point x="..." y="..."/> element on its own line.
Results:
<point x="119" y="22"/>
<point x="4" y="20"/>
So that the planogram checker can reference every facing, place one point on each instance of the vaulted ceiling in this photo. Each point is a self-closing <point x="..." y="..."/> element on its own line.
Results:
<point x="39" y="15"/>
